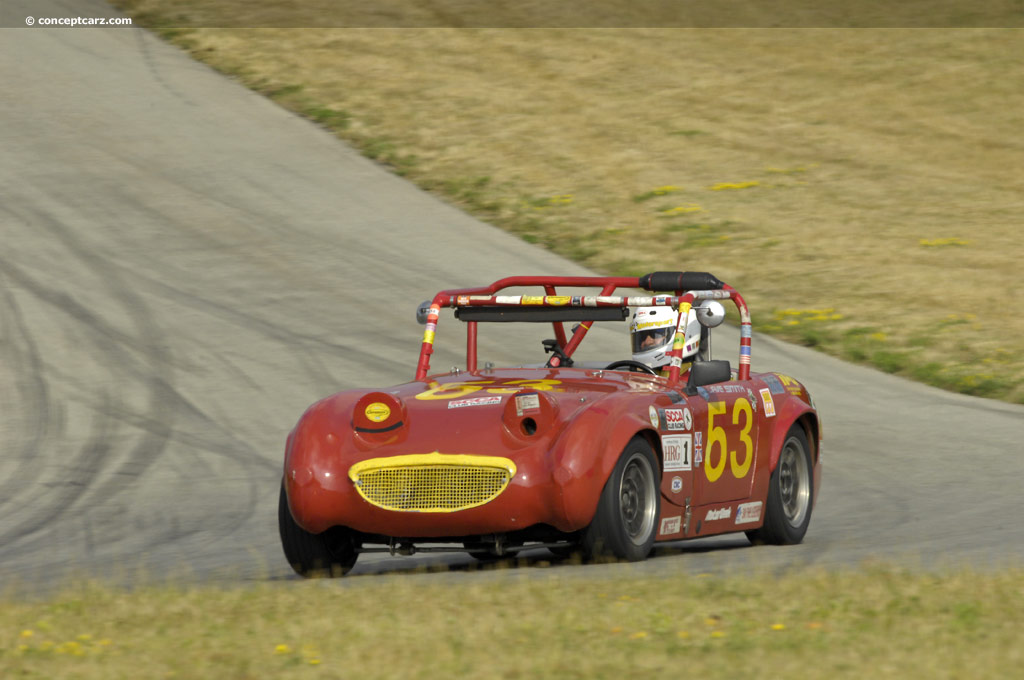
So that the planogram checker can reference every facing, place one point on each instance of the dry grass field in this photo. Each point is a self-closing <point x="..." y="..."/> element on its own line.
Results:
<point x="863" y="188"/>
<point x="877" y="623"/>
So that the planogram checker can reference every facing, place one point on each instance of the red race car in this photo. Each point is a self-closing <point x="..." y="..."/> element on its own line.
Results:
<point x="603" y="459"/>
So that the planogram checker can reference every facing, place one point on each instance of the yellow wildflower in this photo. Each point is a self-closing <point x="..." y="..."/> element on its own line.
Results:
<point x="681" y="210"/>
<point x="939" y="242"/>
<point x="282" y="649"/>
<point x="722" y="186"/>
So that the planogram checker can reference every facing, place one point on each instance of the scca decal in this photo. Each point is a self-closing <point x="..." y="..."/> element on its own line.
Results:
<point x="678" y="419"/>
<point x="461" y="389"/>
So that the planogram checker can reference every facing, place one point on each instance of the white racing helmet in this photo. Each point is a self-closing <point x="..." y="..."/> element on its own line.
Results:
<point x="652" y="331"/>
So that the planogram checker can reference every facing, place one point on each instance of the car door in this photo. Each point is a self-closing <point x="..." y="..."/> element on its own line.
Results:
<point x="725" y="430"/>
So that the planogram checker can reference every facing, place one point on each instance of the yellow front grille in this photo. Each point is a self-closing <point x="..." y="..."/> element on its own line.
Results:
<point x="432" y="482"/>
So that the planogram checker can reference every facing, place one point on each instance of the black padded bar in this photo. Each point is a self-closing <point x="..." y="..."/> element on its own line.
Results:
<point x="671" y="281"/>
<point x="541" y="314"/>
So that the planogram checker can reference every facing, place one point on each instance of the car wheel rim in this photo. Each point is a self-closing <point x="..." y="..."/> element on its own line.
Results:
<point x="794" y="483"/>
<point x="637" y="499"/>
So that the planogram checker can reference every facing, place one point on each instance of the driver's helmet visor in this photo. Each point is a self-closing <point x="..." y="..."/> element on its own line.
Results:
<point x="651" y="339"/>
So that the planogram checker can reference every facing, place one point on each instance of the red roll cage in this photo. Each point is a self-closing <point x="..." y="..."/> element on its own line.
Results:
<point x="686" y="287"/>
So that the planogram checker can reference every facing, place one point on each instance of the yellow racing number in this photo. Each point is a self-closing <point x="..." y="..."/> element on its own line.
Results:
<point x="453" y="390"/>
<point x="539" y="384"/>
<point x="716" y="437"/>
<point x="740" y="471"/>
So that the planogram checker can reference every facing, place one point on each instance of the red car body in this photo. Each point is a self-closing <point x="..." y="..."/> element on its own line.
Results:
<point x="502" y="459"/>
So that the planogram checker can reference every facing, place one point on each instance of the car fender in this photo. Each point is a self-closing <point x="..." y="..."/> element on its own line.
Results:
<point x="311" y="454"/>
<point x="790" y="411"/>
<point x="585" y="455"/>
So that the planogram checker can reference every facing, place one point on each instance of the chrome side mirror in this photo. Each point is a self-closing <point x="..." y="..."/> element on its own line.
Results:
<point x="422" y="311"/>
<point x="710" y="313"/>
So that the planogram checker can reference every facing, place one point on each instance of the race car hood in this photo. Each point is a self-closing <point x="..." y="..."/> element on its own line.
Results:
<point x="483" y="412"/>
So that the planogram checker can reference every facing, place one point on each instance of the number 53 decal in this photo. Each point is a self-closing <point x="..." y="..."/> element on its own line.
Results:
<point x="460" y="389"/>
<point x="717" y="438"/>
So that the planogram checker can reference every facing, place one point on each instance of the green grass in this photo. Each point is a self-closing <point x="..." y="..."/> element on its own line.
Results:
<point x="864" y="170"/>
<point x="877" y="622"/>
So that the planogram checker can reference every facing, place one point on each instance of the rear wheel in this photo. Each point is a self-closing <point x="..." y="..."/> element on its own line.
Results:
<point x="332" y="553"/>
<point x="626" y="520"/>
<point x="790" y="494"/>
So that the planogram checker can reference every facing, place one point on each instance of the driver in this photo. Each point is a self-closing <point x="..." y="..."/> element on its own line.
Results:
<point x="652" y="331"/>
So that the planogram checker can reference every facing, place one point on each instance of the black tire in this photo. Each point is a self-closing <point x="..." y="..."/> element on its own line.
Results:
<point x="332" y="553"/>
<point x="626" y="520"/>
<point x="790" y="494"/>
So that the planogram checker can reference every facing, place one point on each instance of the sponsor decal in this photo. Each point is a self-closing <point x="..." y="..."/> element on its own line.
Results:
<point x="698" y="448"/>
<point x="644" y="325"/>
<point x="558" y="300"/>
<point x="774" y="384"/>
<point x="769" y="403"/>
<point x="676" y="448"/>
<point x="527" y="403"/>
<point x="748" y="512"/>
<point x="507" y="299"/>
<point x="678" y="419"/>
<point x="652" y="413"/>
<point x="723" y="513"/>
<point x="677" y="484"/>
<point x="462" y="300"/>
<point x="576" y="300"/>
<point x="671" y="525"/>
<point x="726" y="388"/>
<point x="793" y="386"/>
<point x="476" y="401"/>
<point x="377" y="412"/>
<point x="533" y="300"/>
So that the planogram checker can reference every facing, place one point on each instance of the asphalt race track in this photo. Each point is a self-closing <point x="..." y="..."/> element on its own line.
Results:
<point x="184" y="267"/>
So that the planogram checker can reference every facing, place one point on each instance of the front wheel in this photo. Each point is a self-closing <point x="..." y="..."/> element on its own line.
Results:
<point x="626" y="520"/>
<point x="790" y="494"/>
<point x="332" y="553"/>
